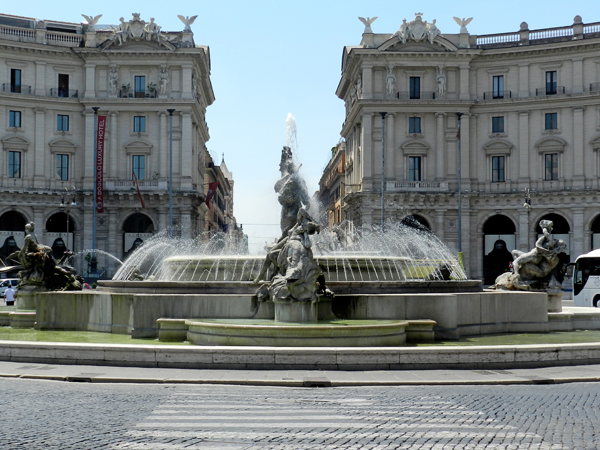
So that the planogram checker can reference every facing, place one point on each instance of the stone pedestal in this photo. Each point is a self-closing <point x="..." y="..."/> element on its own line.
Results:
<point x="26" y="297"/>
<point x="297" y="312"/>
<point x="555" y="301"/>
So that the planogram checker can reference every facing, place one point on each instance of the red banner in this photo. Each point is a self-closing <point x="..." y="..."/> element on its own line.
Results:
<point x="100" y="164"/>
<point x="137" y="186"/>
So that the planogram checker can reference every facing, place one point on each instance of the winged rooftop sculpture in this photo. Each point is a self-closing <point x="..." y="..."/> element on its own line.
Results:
<point x="463" y="23"/>
<point x="91" y="20"/>
<point x="187" y="21"/>
<point x="368" y="21"/>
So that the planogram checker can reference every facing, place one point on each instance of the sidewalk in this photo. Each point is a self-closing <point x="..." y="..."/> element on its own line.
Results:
<point x="299" y="378"/>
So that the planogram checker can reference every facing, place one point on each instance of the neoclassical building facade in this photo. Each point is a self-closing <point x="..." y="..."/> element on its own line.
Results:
<point x="56" y="78"/>
<point x="529" y="142"/>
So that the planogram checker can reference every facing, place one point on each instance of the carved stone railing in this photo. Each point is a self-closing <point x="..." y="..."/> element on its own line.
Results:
<point x="63" y="39"/>
<point x="129" y="185"/>
<point x="437" y="186"/>
<point x="525" y="37"/>
<point x="17" y="33"/>
<point x="549" y="33"/>
<point x="500" y="38"/>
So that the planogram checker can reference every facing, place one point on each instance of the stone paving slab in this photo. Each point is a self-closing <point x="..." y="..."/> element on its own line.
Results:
<point x="297" y="378"/>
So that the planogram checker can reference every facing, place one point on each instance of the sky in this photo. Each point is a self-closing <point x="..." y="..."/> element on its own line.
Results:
<point x="270" y="58"/>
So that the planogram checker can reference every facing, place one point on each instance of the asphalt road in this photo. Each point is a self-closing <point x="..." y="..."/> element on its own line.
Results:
<point x="41" y="414"/>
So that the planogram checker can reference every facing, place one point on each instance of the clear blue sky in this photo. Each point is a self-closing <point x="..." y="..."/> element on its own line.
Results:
<point x="271" y="58"/>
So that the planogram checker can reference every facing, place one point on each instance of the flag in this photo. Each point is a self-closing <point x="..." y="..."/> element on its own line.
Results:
<point x="100" y="131"/>
<point x="212" y="187"/>
<point x="137" y="186"/>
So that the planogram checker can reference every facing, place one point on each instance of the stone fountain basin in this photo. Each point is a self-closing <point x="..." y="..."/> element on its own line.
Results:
<point x="336" y="267"/>
<point x="331" y="333"/>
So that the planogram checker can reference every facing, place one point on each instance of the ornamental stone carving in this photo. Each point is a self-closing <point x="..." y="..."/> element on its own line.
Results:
<point x="113" y="79"/>
<point x="137" y="30"/>
<point x="163" y="83"/>
<point x="463" y="23"/>
<point x="92" y="21"/>
<point x="367" y="22"/>
<point x="418" y="30"/>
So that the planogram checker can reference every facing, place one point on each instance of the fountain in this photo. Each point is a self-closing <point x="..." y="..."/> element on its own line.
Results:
<point x="347" y="286"/>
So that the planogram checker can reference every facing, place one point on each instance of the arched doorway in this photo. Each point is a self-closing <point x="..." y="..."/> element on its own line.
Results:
<point x="136" y="229"/>
<point x="416" y="221"/>
<point x="560" y="230"/>
<point x="596" y="233"/>
<point x="12" y="233"/>
<point x="498" y="241"/>
<point x="60" y="230"/>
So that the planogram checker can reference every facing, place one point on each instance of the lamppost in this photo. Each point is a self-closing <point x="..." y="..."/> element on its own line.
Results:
<point x="67" y="207"/>
<point x="527" y="206"/>
<point x="170" y="111"/>
<point x="383" y="171"/>
<point x="93" y="259"/>
<point x="459" y="115"/>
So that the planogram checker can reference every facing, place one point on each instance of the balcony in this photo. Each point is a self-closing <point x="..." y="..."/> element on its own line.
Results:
<point x="64" y="93"/>
<point x="20" y="89"/>
<point x="127" y="94"/>
<point x="417" y="186"/>
<point x="550" y="90"/>
<point x="594" y="87"/>
<point x="422" y="95"/>
<point x="129" y="185"/>
<point x="497" y="95"/>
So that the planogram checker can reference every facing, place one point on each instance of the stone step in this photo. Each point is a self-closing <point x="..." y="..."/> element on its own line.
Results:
<point x="22" y="319"/>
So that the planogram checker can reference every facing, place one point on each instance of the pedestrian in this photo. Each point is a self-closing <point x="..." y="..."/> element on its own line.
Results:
<point x="9" y="296"/>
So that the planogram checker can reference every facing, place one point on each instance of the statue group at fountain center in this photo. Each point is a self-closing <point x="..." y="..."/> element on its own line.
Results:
<point x="39" y="269"/>
<point x="295" y="276"/>
<point x="533" y="270"/>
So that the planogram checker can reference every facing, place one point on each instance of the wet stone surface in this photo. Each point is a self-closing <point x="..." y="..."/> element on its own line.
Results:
<point x="59" y="415"/>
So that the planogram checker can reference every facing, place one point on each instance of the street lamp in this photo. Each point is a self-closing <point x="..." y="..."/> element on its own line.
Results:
<point x="93" y="259"/>
<point x="383" y="171"/>
<point x="67" y="207"/>
<point x="170" y="111"/>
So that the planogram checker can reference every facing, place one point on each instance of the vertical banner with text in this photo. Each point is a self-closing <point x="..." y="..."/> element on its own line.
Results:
<point x="100" y="164"/>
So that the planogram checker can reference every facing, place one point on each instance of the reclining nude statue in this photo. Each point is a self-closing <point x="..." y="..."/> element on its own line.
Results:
<point x="533" y="270"/>
<point x="38" y="267"/>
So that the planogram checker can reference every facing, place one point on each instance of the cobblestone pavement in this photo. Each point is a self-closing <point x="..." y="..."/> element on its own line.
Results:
<point x="58" y="415"/>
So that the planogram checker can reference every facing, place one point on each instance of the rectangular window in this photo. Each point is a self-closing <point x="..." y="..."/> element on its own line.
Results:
<point x="139" y="124"/>
<point x="551" y="79"/>
<point x="497" y="124"/>
<point x="551" y="121"/>
<point x="551" y="166"/>
<point x="62" y="122"/>
<point x="498" y="88"/>
<point x="139" y="166"/>
<point x="63" y="85"/>
<point x="414" y="125"/>
<point x="14" y="119"/>
<point x="415" y="87"/>
<point x="414" y="168"/>
<point x="15" y="80"/>
<point x="140" y="86"/>
<point x="498" y="169"/>
<point x="14" y="164"/>
<point x="62" y="167"/>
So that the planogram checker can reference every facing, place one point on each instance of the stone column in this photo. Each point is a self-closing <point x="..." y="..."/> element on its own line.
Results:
<point x="578" y="75"/>
<point x="367" y="82"/>
<point x="113" y="151"/>
<point x="88" y="151"/>
<point x="390" y="147"/>
<point x="186" y="87"/>
<point x="163" y="218"/>
<point x="366" y="145"/>
<point x="465" y="145"/>
<point x="523" y="80"/>
<point x="524" y="176"/>
<point x="40" y="178"/>
<point x="576" y="245"/>
<point x="473" y="153"/>
<point x="439" y="150"/>
<point x="464" y="83"/>
<point x="114" y="233"/>
<point x="40" y="225"/>
<point x="90" y="81"/>
<point x="186" y="153"/>
<point x="578" y="161"/>
<point x="185" y="222"/>
<point x="440" y="232"/>
<point x="40" y="78"/>
<point x="523" y="231"/>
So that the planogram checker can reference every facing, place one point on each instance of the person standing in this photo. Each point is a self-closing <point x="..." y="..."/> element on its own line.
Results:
<point x="9" y="296"/>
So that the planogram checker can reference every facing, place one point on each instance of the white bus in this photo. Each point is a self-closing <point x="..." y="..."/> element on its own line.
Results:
<point x="586" y="280"/>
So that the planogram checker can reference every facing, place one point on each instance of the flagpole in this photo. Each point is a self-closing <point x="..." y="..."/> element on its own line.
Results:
<point x="93" y="259"/>
<point x="171" y="111"/>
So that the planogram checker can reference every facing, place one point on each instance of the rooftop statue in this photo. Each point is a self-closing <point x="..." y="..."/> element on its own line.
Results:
<point x="92" y="21"/>
<point x="39" y="268"/>
<point x="187" y="21"/>
<point x="463" y="23"/>
<point x="417" y="30"/>
<point x="367" y="22"/>
<point x="533" y="270"/>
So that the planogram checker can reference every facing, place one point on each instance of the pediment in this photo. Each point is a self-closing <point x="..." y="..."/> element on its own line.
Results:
<point x="415" y="147"/>
<point x="595" y="143"/>
<point x="138" y="146"/>
<point x="553" y="143"/>
<point x="15" y="142"/>
<point x="62" y="145"/>
<point x="498" y="146"/>
<point x="440" y="44"/>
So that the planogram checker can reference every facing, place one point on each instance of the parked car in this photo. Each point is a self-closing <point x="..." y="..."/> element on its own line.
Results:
<point x="8" y="282"/>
